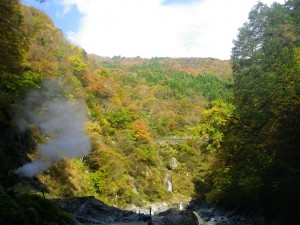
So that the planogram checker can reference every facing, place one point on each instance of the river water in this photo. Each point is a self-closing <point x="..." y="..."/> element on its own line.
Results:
<point x="213" y="216"/>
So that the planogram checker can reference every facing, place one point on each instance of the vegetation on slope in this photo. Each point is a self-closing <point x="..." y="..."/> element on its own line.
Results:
<point x="132" y="105"/>
<point x="31" y="210"/>
<point x="237" y="149"/>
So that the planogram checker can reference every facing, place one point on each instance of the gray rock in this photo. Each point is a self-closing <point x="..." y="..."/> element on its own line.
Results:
<point x="172" y="163"/>
<point x="91" y="210"/>
<point x="159" y="222"/>
<point x="176" y="217"/>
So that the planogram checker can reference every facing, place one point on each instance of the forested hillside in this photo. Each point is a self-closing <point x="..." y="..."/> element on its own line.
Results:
<point x="160" y="129"/>
<point x="141" y="114"/>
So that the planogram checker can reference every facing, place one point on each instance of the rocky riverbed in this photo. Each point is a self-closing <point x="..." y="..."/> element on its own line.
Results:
<point x="213" y="216"/>
<point x="88" y="210"/>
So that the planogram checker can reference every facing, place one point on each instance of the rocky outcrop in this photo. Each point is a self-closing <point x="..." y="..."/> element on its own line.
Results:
<point x="91" y="210"/>
<point x="172" y="163"/>
<point x="177" y="217"/>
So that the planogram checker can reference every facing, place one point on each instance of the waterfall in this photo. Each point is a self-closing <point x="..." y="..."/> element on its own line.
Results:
<point x="199" y="219"/>
<point x="180" y="206"/>
<point x="170" y="186"/>
<point x="168" y="182"/>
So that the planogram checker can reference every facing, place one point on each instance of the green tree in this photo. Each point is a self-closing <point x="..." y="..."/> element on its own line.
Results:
<point x="12" y="40"/>
<point x="213" y="124"/>
<point x="78" y="62"/>
<point x="120" y="118"/>
<point x="261" y="153"/>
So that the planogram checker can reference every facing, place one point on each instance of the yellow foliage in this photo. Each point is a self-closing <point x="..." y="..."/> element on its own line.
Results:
<point x="117" y="100"/>
<point x="94" y="130"/>
<point x="141" y="130"/>
<point x="63" y="179"/>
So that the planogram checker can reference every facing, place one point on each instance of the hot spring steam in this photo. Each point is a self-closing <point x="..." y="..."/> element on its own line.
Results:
<point x="61" y="122"/>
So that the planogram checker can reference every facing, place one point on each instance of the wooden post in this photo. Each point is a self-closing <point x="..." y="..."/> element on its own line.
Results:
<point x="150" y="221"/>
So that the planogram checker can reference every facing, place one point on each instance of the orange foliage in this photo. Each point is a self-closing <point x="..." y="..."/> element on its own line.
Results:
<point x="104" y="86"/>
<point x="141" y="130"/>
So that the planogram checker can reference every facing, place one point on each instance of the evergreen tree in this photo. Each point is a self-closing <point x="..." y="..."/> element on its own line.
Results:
<point x="261" y="154"/>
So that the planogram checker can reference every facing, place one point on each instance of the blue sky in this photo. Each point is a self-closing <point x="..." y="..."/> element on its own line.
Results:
<point x="151" y="28"/>
<point x="65" y="18"/>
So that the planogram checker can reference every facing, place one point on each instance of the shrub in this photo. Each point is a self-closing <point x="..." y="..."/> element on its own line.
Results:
<point x="39" y="211"/>
<point x="10" y="212"/>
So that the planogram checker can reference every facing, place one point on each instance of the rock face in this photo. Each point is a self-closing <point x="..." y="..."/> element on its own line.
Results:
<point x="91" y="210"/>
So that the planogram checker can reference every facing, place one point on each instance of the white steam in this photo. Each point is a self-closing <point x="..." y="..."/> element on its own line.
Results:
<point x="60" y="121"/>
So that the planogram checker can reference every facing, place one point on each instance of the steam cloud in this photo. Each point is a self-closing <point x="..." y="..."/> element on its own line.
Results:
<point x="61" y="121"/>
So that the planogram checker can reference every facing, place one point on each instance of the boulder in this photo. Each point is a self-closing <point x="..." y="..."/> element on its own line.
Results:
<point x="177" y="217"/>
<point x="173" y="163"/>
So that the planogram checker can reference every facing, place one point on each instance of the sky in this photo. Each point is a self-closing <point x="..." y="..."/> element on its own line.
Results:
<point x="151" y="28"/>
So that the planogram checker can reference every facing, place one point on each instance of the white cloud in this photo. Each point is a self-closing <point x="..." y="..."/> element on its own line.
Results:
<point x="149" y="28"/>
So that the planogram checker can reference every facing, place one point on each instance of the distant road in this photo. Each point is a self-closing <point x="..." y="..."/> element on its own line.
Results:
<point x="172" y="140"/>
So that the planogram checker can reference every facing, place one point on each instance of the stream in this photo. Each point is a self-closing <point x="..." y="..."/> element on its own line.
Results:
<point x="213" y="216"/>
